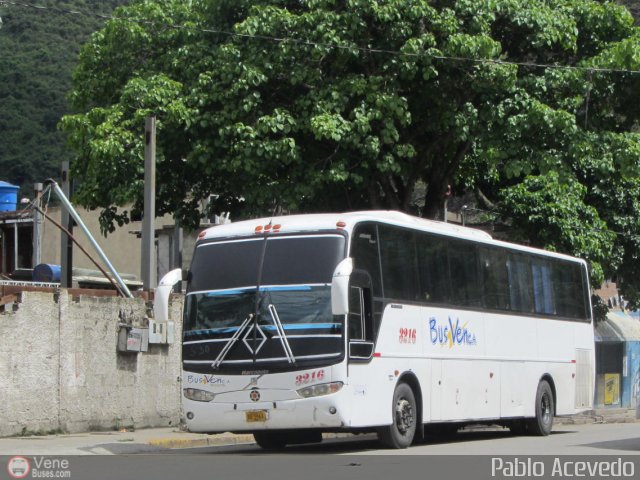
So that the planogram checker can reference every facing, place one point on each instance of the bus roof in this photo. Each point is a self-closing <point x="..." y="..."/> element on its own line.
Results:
<point x="329" y="221"/>
<point x="347" y="221"/>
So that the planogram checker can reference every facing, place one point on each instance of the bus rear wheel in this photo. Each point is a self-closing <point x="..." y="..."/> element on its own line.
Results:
<point x="402" y="430"/>
<point x="542" y="423"/>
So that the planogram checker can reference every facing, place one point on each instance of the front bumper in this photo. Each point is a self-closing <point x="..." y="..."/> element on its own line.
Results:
<point x="328" y="412"/>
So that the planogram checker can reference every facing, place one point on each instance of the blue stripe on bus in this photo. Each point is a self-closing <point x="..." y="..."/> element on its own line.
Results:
<point x="225" y="292"/>
<point x="290" y="326"/>
<point x="295" y="288"/>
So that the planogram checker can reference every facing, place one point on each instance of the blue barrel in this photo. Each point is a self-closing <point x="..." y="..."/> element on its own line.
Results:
<point x="45" y="272"/>
<point x="8" y="197"/>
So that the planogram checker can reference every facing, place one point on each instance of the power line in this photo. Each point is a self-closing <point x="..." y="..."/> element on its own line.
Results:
<point x="311" y="43"/>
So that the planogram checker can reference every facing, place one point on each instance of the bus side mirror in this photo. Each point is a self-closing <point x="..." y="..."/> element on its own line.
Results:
<point x="340" y="287"/>
<point x="163" y="291"/>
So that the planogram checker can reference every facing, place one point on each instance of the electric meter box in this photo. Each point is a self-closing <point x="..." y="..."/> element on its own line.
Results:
<point x="131" y="339"/>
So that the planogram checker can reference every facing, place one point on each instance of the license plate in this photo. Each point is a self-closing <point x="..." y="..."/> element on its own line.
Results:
<point x="256" y="416"/>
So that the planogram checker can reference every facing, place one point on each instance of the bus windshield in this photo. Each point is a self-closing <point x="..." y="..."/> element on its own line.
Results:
<point x="241" y="315"/>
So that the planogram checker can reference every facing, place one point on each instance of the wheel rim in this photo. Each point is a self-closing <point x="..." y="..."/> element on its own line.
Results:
<point x="545" y="408"/>
<point x="404" y="415"/>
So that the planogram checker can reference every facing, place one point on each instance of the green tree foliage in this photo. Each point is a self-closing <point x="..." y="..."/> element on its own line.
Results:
<point x="555" y="216"/>
<point x="38" y="50"/>
<point x="633" y="6"/>
<point x="343" y="104"/>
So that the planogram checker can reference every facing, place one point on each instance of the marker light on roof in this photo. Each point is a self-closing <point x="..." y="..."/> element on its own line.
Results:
<point x="202" y="234"/>
<point x="341" y="224"/>
<point x="268" y="228"/>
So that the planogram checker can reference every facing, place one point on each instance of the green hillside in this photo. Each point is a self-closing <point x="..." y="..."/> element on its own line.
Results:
<point x="38" y="50"/>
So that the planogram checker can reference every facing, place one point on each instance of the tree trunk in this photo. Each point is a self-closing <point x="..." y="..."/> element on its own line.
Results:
<point x="438" y="180"/>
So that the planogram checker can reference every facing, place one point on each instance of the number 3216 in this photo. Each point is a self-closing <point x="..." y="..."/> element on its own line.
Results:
<point x="309" y="377"/>
<point x="408" y="335"/>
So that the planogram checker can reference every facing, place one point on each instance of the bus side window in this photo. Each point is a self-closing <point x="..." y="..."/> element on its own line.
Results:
<point x="366" y="257"/>
<point x="495" y="278"/>
<point x="364" y="251"/>
<point x="520" y="283"/>
<point x="433" y="268"/>
<point x="399" y="264"/>
<point x="463" y="268"/>
<point x="542" y="286"/>
<point x="356" y="314"/>
<point x="568" y="284"/>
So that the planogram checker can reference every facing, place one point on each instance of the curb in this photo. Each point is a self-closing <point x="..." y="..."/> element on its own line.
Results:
<point x="210" y="440"/>
<point x="218" y="440"/>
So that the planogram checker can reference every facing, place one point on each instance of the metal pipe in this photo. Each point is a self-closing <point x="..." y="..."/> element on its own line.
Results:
<point x="72" y="211"/>
<point x="15" y="246"/>
<point x="3" y="251"/>
<point x="36" y="255"/>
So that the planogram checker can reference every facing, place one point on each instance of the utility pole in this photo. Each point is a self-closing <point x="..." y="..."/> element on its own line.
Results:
<point x="66" y="245"/>
<point x="178" y="245"/>
<point x="36" y="256"/>
<point x="148" y="266"/>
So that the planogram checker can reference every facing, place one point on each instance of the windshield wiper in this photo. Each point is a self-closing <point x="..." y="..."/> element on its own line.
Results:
<point x="283" y="338"/>
<point x="234" y="338"/>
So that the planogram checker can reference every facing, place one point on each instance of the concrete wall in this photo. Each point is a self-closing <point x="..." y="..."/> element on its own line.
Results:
<point x="60" y="369"/>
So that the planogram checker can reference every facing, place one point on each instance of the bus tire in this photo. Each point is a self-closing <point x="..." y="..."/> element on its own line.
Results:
<point x="270" y="440"/>
<point x="401" y="432"/>
<point x="542" y="423"/>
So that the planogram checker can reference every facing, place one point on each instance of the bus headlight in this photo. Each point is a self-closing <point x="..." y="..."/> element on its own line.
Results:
<point x="321" y="389"/>
<point x="198" y="395"/>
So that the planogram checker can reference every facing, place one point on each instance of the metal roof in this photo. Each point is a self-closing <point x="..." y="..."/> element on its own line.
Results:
<point x="618" y="327"/>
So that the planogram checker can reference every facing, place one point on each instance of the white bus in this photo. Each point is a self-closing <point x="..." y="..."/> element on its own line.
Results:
<point x="379" y="321"/>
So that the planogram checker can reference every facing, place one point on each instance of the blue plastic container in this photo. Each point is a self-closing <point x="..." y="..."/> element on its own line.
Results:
<point x="45" y="272"/>
<point x="8" y="197"/>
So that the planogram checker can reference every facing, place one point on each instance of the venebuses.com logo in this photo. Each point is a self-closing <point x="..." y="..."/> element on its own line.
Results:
<point x="38" y="467"/>
<point x="18" y="467"/>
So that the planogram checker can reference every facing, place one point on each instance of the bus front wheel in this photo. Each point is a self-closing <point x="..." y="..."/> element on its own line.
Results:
<point x="270" y="440"/>
<point x="278" y="439"/>
<point x="402" y="430"/>
<point x="542" y="423"/>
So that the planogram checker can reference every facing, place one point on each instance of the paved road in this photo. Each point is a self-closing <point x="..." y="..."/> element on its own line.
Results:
<point x="587" y="439"/>
<point x="590" y="439"/>
<point x="468" y="454"/>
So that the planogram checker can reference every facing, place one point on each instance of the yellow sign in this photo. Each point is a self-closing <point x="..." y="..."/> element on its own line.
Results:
<point x="611" y="388"/>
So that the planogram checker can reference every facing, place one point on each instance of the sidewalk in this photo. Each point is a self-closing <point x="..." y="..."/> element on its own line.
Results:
<point x="147" y="440"/>
<point x="601" y="415"/>
<point x="156" y="440"/>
